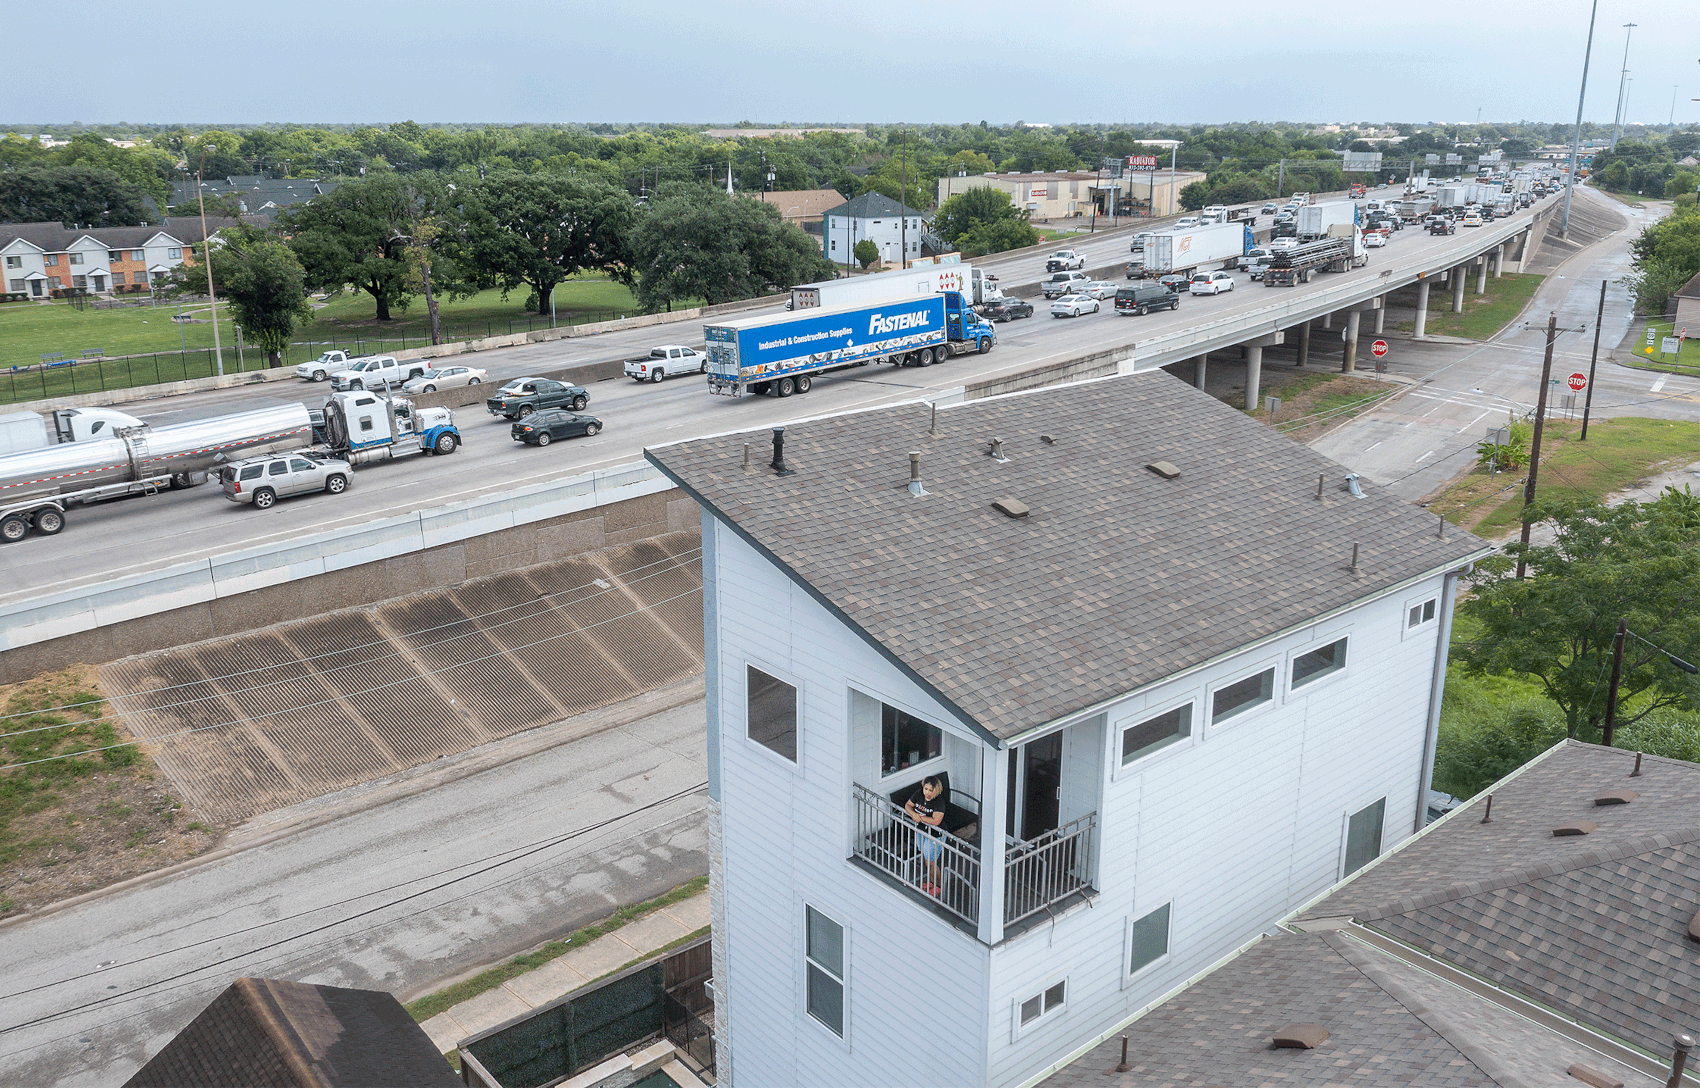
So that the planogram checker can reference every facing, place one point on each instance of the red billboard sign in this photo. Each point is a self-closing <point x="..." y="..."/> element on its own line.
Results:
<point x="1142" y="162"/>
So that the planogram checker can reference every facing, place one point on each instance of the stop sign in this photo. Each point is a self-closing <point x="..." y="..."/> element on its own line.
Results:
<point x="1578" y="382"/>
<point x="1378" y="349"/>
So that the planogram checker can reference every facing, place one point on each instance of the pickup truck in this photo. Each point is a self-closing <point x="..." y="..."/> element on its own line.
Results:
<point x="374" y="371"/>
<point x="523" y="396"/>
<point x="324" y="366"/>
<point x="1064" y="283"/>
<point x="1063" y="260"/>
<point x="665" y="360"/>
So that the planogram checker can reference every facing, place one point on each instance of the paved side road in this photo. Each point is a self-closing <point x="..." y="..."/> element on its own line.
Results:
<point x="401" y="897"/>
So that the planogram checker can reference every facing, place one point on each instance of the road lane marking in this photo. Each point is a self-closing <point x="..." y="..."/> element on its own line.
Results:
<point x="1372" y="447"/>
<point x="1475" y="421"/>
<point x="1429" y="454"/>
<point x="1660" y="384"/>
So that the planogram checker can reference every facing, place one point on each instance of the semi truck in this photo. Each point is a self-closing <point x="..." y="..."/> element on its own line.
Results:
<point x="1183" y="252"/>
<point x="782" y="354"/>
<point x="132" y="457"/>
<point x="1316" y="220"/>
<point x="21" y="431"/>
<point x="977" y="285"/>
<point x="1415" y="209"/>
<point x="1338" y="251"/>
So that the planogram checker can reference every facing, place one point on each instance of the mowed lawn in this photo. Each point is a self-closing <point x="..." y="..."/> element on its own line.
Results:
<point x="484" y="314"/>
<point x="29" y="330"/>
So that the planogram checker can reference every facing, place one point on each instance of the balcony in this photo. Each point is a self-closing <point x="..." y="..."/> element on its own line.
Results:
<point x="1040" y="873"/>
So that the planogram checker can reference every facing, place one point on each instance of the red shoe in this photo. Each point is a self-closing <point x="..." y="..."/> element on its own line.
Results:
<point x="932" y="890"/>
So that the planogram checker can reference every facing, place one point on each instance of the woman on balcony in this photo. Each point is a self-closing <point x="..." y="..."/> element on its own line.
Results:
<point x="926" y="807"/>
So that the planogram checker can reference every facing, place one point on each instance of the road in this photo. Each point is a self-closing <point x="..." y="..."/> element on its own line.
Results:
<point x="135" y="535"/>
<point x="400" y="897"/>
<point x="1423" y="439"/>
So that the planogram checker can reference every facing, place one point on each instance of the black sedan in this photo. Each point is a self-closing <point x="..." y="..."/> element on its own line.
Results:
<point x="542" y="428"/>
<point x="1007" y="309"/>
<point x="1176" y="282"/>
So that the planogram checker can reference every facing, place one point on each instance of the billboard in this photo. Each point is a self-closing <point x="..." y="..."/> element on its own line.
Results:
<point x="1454" y="160"/>
<point x="1432" y="159"/>
<point x="1142" y="162"/>
<point x="1361" y="162"/>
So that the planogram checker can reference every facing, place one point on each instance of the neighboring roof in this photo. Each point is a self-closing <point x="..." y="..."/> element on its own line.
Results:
<point x="804" y="203"/>
<point x="1118" y="578"/>
<point x="1691" y="289"/>
<point x="56" y="237"/>
<point x="872" y="206"/>
<point x="268" y="1033"/>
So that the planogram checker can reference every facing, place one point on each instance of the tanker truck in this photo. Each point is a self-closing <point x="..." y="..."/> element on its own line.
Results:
<point x="121" y="458"/>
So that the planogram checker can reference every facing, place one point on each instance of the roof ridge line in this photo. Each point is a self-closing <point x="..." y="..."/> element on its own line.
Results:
<point x="1623" y="848"/>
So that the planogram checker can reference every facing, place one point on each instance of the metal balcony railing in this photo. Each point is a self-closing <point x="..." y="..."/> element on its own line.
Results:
<point x="886" y="839"/>
<point x="1046" y="870"/>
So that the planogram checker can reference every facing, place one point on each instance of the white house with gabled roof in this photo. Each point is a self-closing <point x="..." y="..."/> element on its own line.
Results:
<point x="1178" y="677"/>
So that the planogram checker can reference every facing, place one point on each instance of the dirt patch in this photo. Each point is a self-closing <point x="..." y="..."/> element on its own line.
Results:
<point x="80" y="814"/>
<point x="1313" y="401"/>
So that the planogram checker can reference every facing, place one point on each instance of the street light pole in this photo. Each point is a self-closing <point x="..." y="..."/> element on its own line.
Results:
<point x="206" y="252"/>
<point x="1576" y="137"/>
<point x="1617" y="119"/>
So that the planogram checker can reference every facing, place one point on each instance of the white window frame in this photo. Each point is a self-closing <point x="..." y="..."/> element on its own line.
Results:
<point x="14" y="260"/>
<point x="925" y="767"/>
<point x="803" y="965"/>
<point x="1306" y="685"/>
<point x="1346" y="834"/>
<point x="1174" y="747"/>
<point x="76" y="258"/>
<point x="174" y="253"/>
<point x="1407" y="629"/>
<point x="1213" y="726"/>
<point x="1017" y="1028"/>
<point x="1128" y="974"/>
<point x="781" y="675"/>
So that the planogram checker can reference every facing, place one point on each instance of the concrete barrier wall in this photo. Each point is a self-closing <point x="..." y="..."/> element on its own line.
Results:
<point x="251" y="588"/>
<point x="1099" y="364"/>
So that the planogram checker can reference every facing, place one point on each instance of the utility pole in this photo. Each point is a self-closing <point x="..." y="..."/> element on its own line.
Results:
<point x="903" y="201"/>
<point x="206" y="251"/>
<point x="1616" y="674"/>
<point x="1617" y="120"/>
<point x="1576" y="137"/>
<point x="1594" y="361"/>
<point x="1535" y="442"/>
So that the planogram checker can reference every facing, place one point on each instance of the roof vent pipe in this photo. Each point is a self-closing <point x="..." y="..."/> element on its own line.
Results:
<point x="997" y="451"/>
<point x="1352" y="485"/>
<point x="778" y="465"/>
<point x="915" y="487"/>
<point x="1684" y="1043"/>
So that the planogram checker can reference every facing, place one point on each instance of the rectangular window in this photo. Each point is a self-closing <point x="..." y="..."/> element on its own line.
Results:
<point x="1242" y="695"/>
<point x="117" y="279"/>
<point x="50" y="260"/>
<point x="907" y="741"/>
<point x="114" y="254"/>
<point x="1159" y="732"/>
<point x="13" y="261"/>
<point x="53" y="282"/>
<point x="825" y="956"/>
<point x="174" y="253"/>
<point x="137" y="255"/>
<point x="772" y="720"/>
<point x="1363" y="836"/>
<point x="76" y="258"/>
<point x="1148" y="939"/>
<point x="1319" y="662"/>
<point x="17" y="287"/>
<point x="79" y="281"/>
<point x="1031" y="1010"/>
<point x="1420" y="614"/>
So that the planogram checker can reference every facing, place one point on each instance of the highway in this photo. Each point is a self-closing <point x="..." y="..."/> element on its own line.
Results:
<point x="135" y="535"/>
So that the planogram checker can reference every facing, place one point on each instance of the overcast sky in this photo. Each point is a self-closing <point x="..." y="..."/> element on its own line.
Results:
<point x="715" y="61"/>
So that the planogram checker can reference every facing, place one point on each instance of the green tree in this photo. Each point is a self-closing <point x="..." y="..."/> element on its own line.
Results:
<point x="356" y="235"/>
<point x="260" y="281"/>
<point x="697" y="242"/>
<point x="536" y="230"/>
<point x="866" y="252"/>
<point x="982" y="220"/>
<point x="79" y="193"/>
<point x="1195" y="196"/>
<point x="1635" y="561"/>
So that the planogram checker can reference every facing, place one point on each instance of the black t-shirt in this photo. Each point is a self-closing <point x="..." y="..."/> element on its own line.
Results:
<point x="925" y="807"/>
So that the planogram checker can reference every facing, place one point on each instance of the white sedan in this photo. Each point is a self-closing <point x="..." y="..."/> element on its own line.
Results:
<point x="1074" y="306"/>
<point x="448" y="377"/>
<point x="1210" y="283"/>
<point x="1374" y="239"/>
<point x="1100" y="288"/>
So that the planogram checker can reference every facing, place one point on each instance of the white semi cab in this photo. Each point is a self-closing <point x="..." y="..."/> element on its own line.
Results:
<point x="666" y="360"/>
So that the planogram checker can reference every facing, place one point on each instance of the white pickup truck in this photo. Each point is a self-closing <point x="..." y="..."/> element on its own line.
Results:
<point x="665" y="360"/>
<point x="1064" y="260"/>
<point x="374" y="371"/>
<point x="324" y="366"/>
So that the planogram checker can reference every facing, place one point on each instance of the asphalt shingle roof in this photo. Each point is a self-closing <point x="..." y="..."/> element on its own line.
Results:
<point x="1118" y="578"/>
<point x="873" y="206"/>
<point x="55" y="237"/>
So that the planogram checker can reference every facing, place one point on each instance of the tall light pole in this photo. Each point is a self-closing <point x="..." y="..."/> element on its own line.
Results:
<point x="206" y="251"/>
<point x="1617" y="119"/>
<point x="1576" y="138"/>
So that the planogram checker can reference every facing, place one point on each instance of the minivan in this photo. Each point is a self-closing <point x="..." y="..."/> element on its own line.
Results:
<point x="1141" y="298"/>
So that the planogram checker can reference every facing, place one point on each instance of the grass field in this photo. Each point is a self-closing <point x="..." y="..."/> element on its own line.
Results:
<point x="1684" y="362"/>
<point x="1617" y="454"/>
<point x="1483" y="314"/>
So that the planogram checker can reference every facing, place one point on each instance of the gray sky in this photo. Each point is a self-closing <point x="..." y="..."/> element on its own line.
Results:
<point x="506" y="61"/>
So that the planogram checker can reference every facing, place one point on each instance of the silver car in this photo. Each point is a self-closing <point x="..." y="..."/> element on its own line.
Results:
<point x="264" y="480"/>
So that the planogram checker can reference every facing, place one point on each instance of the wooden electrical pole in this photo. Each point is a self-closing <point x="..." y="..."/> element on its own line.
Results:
<point x="1535" y="442"/>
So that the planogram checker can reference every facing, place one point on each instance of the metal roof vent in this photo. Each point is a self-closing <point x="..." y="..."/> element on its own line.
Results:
<point x="1615" y="797"/>
<point x="1574" y="827"/>
<point x="915" y="487"/>
<point x="1352" y="485"/>
<point x="1301" y="1036"/>
<point x="1164" y="469"/>
<point x="997" y="452"/>
<point x="1014" y="508"/>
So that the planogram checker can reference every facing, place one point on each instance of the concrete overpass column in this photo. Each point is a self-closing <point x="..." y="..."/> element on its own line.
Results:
<point x="1481" y="276"/>
<point x="1253" y="375"/>
<point x="1198" y="366"/>
<point x="1422" y="309"/>
<point x="1349" y="361"/>
<point x="1304" y="343"/>
<point x="1380" y="314"/>
<point x="1499" y="261"/>
<point x="1328" y="320"/>
<point x="1458" y="290"/>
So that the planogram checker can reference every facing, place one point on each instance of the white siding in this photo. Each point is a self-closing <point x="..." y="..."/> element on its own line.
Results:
<point x="785" y="837"/>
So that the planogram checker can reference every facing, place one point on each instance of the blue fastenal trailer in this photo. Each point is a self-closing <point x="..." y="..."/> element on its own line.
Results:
<point x="781" y="354"/>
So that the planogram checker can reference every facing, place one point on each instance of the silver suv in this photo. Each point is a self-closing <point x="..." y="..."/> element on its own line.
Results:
<point x="264" y="480"/>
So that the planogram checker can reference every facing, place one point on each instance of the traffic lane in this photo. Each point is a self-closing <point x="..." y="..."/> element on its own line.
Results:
<point x="624" y="810"/>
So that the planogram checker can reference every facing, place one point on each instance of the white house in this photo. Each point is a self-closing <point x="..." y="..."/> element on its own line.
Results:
<point x="1179" y="679"/>
<point x="890" y="225"/>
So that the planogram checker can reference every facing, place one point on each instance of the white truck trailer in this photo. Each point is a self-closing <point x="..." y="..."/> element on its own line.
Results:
<point x="1211" y="246"/>
<point x="975" y="285"/>
<point x="1317" y="220"/>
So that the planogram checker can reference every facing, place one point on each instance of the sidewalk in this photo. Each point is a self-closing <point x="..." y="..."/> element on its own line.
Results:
<point x="573" y="969"/>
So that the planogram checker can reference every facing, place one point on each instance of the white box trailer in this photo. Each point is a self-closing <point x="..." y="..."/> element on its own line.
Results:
<point x="1185" y="251"/>
<point x="976" y="285"/>
<point x="1315" y="220"/>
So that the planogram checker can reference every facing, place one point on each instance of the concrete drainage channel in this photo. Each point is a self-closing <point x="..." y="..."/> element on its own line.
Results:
<point x="254" y="722"/>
